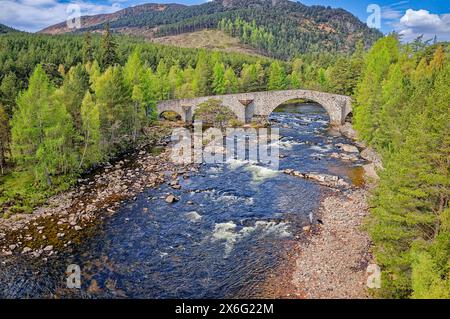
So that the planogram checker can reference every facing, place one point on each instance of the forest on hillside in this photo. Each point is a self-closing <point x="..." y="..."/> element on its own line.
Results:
<point x="68" y="103"/>
<point x="292" y="28"/>
<point x="295" y="28"/>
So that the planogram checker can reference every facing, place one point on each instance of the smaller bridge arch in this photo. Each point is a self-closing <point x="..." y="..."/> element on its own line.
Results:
<point x="185" y="111"/>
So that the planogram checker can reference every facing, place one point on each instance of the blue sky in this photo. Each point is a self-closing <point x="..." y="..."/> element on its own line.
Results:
<point x="409" y="17"/>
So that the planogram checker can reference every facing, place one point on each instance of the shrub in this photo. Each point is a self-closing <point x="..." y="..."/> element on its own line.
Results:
<point x="213" y="112"/>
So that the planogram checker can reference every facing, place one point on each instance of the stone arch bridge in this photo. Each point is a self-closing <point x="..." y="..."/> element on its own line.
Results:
<point x="249" y="106"/>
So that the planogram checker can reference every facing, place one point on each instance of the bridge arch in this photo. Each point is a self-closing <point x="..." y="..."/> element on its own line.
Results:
<point x="170" y="115"/>
<point x="335" y="105"/>
<point x="185" y="111"/>
<point x="293" y="104"/>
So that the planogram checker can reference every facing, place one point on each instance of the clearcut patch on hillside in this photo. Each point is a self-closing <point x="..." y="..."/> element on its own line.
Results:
<point x="208" y="39"/>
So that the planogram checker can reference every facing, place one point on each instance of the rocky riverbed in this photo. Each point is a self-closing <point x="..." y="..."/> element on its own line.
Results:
<point x="144" y="217"/>
<point x="69" y="217"/>
<point x="330" y="260"/>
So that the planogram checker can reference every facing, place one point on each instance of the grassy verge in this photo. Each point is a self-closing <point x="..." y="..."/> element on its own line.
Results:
<point x="20" y="194"/>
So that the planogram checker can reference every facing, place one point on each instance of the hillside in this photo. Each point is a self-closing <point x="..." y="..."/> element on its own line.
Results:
<point x="207" y="39"/>
<point x="97" y="21"/>
<point x="6" y="29"/>
<point x="278" y="28"/>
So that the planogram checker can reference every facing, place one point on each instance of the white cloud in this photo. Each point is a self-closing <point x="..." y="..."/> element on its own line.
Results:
<point x="389" y="13"/>
<point x="415" y="23"/>
<point x="34" y="15"/>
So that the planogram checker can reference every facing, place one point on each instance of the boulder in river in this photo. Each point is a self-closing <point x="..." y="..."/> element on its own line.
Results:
<point x="348" y="131"/>
<point x="370" y="171"/>
<point x="171" y="199"/>
<point x="370" y="155"/>
<point x="348" y="148"/>
<point x="323" y="179"/>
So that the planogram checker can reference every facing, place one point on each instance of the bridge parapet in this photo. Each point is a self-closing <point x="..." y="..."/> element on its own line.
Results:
<point x="261" y="104"/>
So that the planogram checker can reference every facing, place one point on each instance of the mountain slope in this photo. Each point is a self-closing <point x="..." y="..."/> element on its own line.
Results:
<point x="207" y="39"/>
<point x="279" y="28"/>
<point x="6" y="29"/>
<point x="97" y="21"/>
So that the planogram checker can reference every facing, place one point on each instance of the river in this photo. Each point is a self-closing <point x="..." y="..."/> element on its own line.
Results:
<point x="234" y="224"/>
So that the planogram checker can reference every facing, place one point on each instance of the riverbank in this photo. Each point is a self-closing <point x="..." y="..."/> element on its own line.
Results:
<point x="70" y="216"/>
<point x="329" y="259"/>
<point x="334" y="260"/>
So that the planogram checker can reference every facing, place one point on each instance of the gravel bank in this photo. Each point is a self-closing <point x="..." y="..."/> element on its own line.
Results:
<point x="333" y="262"/>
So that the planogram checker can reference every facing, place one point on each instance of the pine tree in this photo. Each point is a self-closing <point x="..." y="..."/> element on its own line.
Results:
<point x="186" y="90"/>
<point x="134" y="78"/>
<point x="339" y="77"/>
<point x="162" y="85"/>
<point x="8" y="92"/>
<point x="132" y="71"/>
<point x="295" y="81"/>
<point x="94" y="72"/>
<point x="87" y="50"/>
<point x="410" y="220"/>
<point x="252" y="77"/>
<point x="28" y="120"/>
<point x="108" y="55"/>
<point x="368" y="94"/>
<point x="57" y="154"/>
<point x="149" y="83"/>
<point x="5" y="137"/>
<point x="438" y="61"/>
<point x="175" y="79"/>
<point x="72" y="92"/>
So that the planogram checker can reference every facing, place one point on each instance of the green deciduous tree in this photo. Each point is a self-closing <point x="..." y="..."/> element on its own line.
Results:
<point x="42" y="131"/>
<point x="218" y="84"/>
<point x="231" y="83"/>
<point x="91" y="152"/>
<point x="114" y="100"/>
<point x="277" y="77"/>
